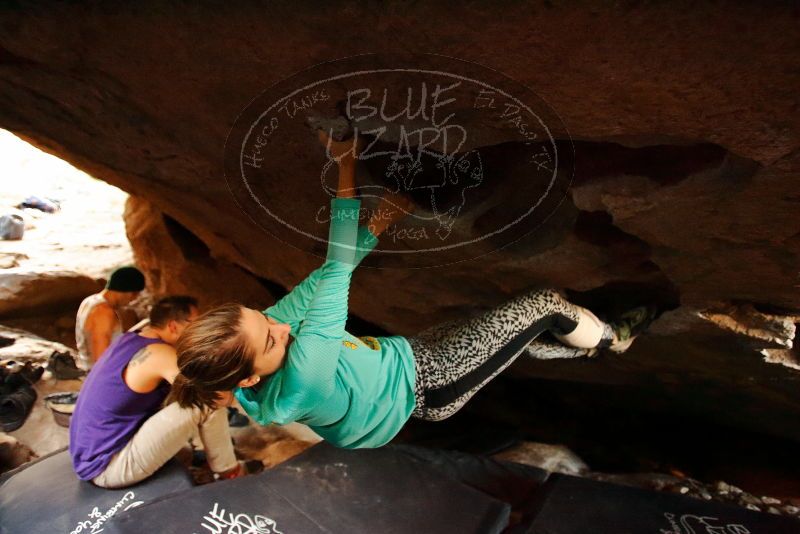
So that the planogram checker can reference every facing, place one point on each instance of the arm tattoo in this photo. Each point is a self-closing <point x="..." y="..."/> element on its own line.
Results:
<point x="139" y="357"/>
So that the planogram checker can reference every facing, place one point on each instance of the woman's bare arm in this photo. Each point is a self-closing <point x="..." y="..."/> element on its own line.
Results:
<point x="345" y="153"/>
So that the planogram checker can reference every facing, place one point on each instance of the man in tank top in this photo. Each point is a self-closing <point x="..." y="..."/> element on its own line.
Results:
<point x="98" y="322"/>
<point x="119" y="434"/>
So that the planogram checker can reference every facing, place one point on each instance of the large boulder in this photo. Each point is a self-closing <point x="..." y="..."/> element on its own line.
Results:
<point x="30" y="292"/>
<point x="178" y="263"/>
<point x="683" y="123"/>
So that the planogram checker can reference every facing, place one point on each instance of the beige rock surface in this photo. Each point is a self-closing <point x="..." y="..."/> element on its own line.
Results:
<point x="178" y="263"/>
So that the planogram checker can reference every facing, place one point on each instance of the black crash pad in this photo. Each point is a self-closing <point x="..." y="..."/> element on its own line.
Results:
<point x="570" y="505"/>
<point x="512" y="483"/>
<point x="47" y="496"/>
<point x="326" y="489"/>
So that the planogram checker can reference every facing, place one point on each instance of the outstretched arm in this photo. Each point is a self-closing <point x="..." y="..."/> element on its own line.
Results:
<point x="292" y="308"/>
<point x="345" y="153"/>
<point x="307" y="377"/>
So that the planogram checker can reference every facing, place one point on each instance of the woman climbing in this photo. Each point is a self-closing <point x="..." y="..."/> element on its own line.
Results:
<point x="295" y="362"/>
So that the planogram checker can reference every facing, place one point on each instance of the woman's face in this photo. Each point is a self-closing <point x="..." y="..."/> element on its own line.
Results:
<point x="267" y="340"/>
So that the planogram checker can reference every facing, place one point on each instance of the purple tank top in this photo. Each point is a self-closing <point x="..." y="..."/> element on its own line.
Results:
<point x="108" y="413"/>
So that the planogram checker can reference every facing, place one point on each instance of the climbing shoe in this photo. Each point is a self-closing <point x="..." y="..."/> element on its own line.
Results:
<point x="63" y="367"/>
<point x="15" y="405"/>
<point x="14" y="374"/>
<point x="630" y="324"/>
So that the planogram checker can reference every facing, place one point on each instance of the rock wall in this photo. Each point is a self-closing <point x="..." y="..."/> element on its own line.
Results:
<point x="683" y="117"/>
<point x="27" y="293"/>
<point x="179" y="263"/>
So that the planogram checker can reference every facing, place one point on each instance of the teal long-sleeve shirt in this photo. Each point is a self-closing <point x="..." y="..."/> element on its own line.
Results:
<point x="353" y="392"/>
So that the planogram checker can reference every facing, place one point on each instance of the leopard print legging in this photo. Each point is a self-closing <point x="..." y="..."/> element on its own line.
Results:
<point x="454" y="360"/>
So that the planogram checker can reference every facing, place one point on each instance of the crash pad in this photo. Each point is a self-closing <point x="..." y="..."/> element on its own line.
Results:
<point x="571" y="505"/>
<point x="326" y="489"/>
<point x="47" y="496"/>
<point x="512" y="483"/>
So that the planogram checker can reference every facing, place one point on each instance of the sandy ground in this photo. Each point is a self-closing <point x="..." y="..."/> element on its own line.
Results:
<point x="40" y="431"/>
<point x="88" y="234"/>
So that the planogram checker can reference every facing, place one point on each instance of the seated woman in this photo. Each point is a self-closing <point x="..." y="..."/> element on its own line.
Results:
<point x="119" y="434"/>
<point x="359" y="392"/>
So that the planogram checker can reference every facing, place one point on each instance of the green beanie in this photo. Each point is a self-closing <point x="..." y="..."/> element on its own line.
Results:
<point x="126" y="280"/>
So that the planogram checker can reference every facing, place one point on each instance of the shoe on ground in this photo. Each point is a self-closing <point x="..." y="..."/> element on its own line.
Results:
<point x="15" y="406"/>
<point x="15" y="374"/>
<point x="63" y="367"/>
